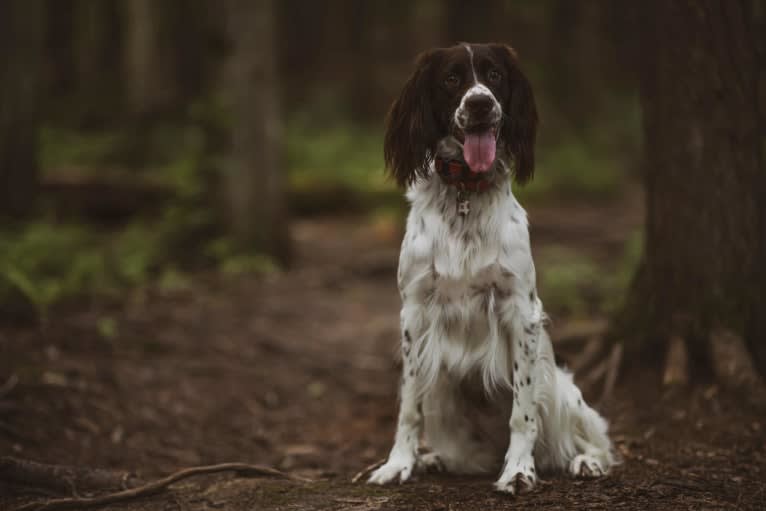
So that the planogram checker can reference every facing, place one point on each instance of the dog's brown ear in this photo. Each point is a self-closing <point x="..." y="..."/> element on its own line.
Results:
<point x="519" y="130"/>
<point x="411" y="129"/>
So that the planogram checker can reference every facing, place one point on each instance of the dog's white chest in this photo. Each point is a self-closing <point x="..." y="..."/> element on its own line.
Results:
<point x="463" y="316"/>
<point x="462" y="275"/>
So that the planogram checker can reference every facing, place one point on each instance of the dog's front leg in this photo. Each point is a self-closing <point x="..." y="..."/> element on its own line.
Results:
<point x="403" y="457"/>
<point x="522" y="326"/>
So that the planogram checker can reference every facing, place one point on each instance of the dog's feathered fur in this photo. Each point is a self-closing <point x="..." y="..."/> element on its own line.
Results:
<point x="470" y="311"/>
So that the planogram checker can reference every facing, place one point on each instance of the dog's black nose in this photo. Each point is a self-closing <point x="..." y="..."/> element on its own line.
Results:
<point x="479" y="104"/>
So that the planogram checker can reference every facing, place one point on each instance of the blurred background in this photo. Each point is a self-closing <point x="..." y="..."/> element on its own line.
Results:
<point x="143" y="141"/>
<point x="199" y="244"/>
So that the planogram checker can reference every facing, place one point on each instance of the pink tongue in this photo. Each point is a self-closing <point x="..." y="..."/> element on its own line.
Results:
<point x="479" y="150"/>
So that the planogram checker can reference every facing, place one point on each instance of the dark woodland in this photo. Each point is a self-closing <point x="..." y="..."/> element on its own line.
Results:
<point x="199" y="243"/>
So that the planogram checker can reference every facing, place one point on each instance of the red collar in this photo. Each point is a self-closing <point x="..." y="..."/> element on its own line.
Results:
<point x="457" y="173"/>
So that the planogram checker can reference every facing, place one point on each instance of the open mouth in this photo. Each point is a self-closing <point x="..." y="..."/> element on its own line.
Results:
<point x="479" y="146"/>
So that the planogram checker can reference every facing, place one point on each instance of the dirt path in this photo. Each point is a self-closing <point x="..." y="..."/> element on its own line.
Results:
<point x="297" y="371"/>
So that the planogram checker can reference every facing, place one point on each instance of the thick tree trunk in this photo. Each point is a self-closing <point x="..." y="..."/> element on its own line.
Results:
<point x="703" y="173"/>
<point x="21" y="47"/>
<point x="255" y="181"/>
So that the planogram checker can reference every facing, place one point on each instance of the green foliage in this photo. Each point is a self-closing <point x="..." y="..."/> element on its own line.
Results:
<point x="69" y="148"/>
<point x="572" y="169"/>
<point x="577" y="284"/>
<point x="351" y="156"/>
<point x="583" y="163"/>
<point x="107" y="328"/>
<point x="569" y="282"/>
<point x="232" y="260"/>
<point x="591" y="161"/>
<point x="45" y="262"/>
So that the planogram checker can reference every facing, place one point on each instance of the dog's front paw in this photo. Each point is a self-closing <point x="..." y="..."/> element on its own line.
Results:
<point x="398" y="467"/>
<point x="586" y="467"/>
<point x="518" y="477"/>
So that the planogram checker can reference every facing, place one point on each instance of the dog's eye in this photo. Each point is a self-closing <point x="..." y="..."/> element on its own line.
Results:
<point x="494" y="76"/>
<point x="452" y="80"/>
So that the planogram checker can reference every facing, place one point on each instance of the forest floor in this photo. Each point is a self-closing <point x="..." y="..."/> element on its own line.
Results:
<point x="298" y="371"/>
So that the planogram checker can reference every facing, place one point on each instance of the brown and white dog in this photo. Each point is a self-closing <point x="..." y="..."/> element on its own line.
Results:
<point x="471" y="318"/>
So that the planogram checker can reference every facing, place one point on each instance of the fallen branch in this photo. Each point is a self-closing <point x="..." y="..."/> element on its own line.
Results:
<point x="62" y="478"/>
<point x="366" y="470"/>
<point x="154" y="487"/>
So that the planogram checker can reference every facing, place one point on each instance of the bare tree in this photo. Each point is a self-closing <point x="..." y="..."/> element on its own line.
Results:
<point x="699" y="290"/>
<point x="255" y="181"/>
<point x="21" y="47"/>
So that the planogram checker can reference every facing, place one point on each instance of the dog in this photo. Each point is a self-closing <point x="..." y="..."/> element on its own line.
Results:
<point x="474" y="347"/>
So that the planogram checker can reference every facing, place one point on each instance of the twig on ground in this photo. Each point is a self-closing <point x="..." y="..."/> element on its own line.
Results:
<point x="366" y="470"/>
<point x="154" y="487"/>
<point x="612" y="371"/>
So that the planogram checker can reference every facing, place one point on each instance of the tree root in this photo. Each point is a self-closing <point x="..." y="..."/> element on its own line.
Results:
<point x="612" y="371"/>
<point x="590" y="353"/>
<point x="44" y="473"/>
<point x="732" y="363"/>
<point x="676" y="363"/>
<point x="606" y="368"/>
<point x="576" y="332"/>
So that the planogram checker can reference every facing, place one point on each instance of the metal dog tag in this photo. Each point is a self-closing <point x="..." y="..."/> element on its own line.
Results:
<point x="463" y="204"/>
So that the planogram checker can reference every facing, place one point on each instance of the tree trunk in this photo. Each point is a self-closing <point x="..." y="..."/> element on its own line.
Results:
<point x="254" y="180"/>
<point x="94" y="57"/>
<point x="21" y="49"/>
<point x="704" y="177"/>
<point x="149" y="62"/>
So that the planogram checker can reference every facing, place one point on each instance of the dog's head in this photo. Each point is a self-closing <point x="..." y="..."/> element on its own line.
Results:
<point x="470" y="98"/>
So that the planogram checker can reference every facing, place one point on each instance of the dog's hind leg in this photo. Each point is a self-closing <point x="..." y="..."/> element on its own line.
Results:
<point x="573" y="436"/>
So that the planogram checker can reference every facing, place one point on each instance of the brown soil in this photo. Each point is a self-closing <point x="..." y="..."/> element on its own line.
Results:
<point x="298" y="371"/>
